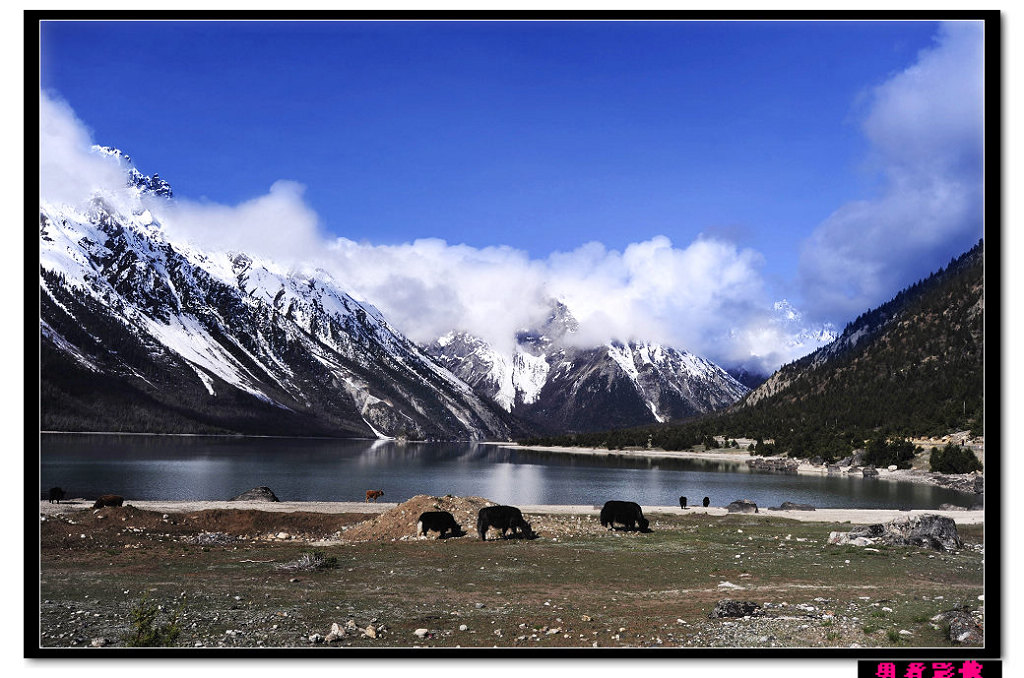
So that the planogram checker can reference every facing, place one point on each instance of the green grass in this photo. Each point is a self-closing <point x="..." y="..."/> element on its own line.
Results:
<point x="643" y="583"/>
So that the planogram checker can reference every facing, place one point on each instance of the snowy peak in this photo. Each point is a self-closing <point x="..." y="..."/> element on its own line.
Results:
<point x="558" y="386"/>
<point x="147" y="184"/>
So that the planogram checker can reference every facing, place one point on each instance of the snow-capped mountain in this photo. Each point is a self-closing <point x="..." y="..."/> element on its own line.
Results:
<point x="557" y="386"/>
<point x="140" y="333"/>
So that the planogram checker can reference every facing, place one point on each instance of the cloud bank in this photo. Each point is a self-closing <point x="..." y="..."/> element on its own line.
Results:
<point x="708" y="296"/>
<point x="925" y="126"/>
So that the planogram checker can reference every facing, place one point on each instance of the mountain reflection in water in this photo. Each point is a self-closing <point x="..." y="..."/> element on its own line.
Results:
<point x="217" y="468"/>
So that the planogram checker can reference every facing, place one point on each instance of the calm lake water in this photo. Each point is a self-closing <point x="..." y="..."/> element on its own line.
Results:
<point x="216" y="468"/>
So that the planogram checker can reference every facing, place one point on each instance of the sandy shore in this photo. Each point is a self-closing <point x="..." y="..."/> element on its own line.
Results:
<point x="822" y="515"/>
<point x="736" y="456"/>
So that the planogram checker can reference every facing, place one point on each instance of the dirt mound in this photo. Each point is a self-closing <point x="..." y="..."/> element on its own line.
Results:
<point x="400" y="522"/>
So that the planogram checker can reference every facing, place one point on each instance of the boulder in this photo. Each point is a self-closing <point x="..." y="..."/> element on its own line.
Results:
<point x="256" y="494"/>
<point x="963" y="630"/>
<point x="856" y="458"/>
<point x="734" y="608"/>
<point x="742" y="506"/>
<point x="791" y="506"/>
<point x="773" y="465"/>
<point x="834" y="469"/>
<point x="928" y="530"/>
<point x="869" y="471"/>
<point x="840" y="538"/>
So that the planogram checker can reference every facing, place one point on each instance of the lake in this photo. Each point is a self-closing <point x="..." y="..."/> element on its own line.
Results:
<point x="217" y="468"/>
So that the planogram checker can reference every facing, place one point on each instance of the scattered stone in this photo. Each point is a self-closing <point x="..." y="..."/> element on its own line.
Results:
<point x="256" y="494"/>
<point x="283" y="535"/>
<point x="316" y="638"/>
<point x="370" y="631"/>
<point x="99" y="642"/>
<point x="421" y="633"/>
<point x="742" y="506"/>
<point x="892" y="467"/>
<point x="463" y="627"/>
<point x="733" y="608"/>
<point x="869" y="471"/>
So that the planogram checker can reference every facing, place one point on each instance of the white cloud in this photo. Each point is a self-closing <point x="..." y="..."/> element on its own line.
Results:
<point x="278" y="225"/>
<point x="708" y="296"/>
<point x="925" y="125"/>
<point x="69" y="172"/>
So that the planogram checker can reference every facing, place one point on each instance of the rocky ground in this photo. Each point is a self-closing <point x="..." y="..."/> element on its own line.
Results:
<point x="251" y="578"/>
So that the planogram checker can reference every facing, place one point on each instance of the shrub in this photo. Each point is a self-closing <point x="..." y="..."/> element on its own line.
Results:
<point x="881" y="452"/>
<point x="143" y="631"/>
<point x="953" y="459"/>
<point x="313" y="560"/>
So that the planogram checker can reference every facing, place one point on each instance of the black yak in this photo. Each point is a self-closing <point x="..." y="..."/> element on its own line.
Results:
<point x="626" y="513"/>
<point x="438" y="521"/>
<point x="503" y="518"/>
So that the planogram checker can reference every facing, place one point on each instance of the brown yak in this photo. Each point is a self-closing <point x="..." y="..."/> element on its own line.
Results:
<point x="108" y="500"/>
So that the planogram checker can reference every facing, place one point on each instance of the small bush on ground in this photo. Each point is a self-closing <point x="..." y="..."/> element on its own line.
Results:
<point x="313" y="560"/>
<point x="145" y="633"/>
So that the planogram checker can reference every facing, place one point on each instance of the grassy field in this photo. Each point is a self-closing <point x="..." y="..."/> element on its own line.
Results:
<point x="582" y="587"/>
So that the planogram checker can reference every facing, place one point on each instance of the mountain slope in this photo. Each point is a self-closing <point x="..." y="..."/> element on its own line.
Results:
<point x="918" y="359"/>
<point x="913" y="366"/>
<point x="141" y="334"/>
<point x="556" y="386"/>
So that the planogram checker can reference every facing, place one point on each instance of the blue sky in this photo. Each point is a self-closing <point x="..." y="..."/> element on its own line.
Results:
<point x="542" y="137"/>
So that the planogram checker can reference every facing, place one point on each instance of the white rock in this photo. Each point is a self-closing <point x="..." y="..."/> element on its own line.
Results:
<point x="421" y="633"/>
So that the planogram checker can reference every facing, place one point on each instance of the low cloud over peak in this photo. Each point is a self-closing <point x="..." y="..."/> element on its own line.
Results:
<point x="707" y="295"/>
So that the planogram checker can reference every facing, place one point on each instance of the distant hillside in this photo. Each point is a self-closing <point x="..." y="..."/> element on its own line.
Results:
<point x="914" y="365"/>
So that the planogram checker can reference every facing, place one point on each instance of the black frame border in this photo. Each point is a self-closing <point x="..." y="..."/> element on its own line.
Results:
<point x="993" y="211"/>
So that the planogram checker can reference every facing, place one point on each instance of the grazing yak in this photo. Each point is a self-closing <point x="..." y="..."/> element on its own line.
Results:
<point x="438" y="521"/>
<point x="56" y="494"/>
<point x="108" y="500"/>
<point x="626" y="513"/>
<point x="503" y="518"/>
<point x="373" y="494"/>
<point x="707" y="502"/>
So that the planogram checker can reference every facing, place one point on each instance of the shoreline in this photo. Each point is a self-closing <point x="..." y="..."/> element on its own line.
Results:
<point x="742" y="456"/>
<point x="854" y="516"/>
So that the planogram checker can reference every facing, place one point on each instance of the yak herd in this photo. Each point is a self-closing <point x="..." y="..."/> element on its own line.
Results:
<point x="508" y="520"/>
